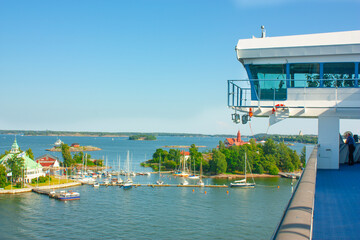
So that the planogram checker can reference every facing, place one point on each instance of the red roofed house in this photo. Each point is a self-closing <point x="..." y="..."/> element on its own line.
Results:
<point x="235" y="141"/>
<point x="185" y="155"/>
<point x="48" y="160"/>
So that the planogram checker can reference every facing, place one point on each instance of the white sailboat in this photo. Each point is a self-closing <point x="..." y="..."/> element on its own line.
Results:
<point x="194" y="176"/>
<point x="243" y="183"/>
<point x="159" y="182"/>
<point x="119" y="181"/>
<point x="128" y="183"/>
<point x="183" y="170"/>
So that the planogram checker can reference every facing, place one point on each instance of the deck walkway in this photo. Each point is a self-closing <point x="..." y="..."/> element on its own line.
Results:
<point x="337" y="203"/>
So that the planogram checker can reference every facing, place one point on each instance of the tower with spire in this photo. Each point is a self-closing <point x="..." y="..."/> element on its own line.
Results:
<point x="235" y="141"/>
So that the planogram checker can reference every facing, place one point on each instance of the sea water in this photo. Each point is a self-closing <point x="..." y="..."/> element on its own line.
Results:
<point x="143" y="212"/>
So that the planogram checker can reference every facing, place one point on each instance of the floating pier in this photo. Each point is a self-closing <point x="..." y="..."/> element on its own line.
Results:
<point x="163" y="185"/>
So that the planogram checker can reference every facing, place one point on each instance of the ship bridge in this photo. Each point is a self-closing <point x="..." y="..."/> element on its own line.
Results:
<point x="301" y="76"/>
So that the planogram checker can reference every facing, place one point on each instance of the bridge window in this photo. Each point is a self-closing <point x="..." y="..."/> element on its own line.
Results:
<point x="305" y="75"/>
<point x="269" y="81"/>
<point x="339" y="75"/>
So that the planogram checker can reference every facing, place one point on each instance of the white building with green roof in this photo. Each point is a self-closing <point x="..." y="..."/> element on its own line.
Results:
<point x="32" y="169"/>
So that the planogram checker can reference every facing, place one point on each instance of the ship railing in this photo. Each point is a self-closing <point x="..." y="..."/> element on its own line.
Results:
<point x="297" y="219"/>
<point x="266" y="93"/>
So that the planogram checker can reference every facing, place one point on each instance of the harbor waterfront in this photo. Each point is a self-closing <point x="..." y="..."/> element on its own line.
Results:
<point x="146" y="212"/>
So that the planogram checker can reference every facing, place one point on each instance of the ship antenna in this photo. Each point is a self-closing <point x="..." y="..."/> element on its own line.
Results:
<point x="263" y="31"/>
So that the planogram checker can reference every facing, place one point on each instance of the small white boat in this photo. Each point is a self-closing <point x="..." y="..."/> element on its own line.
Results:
<point x="96" y="184"/>
<point x="193" y="177"/>
<point x="201" y="183"/>
<point x="106" y="181"/>
<point x="159" y="182"/>
<point x="185" y="182"/>
<point x="127" y="186"/>
<point x="58" y="143"/>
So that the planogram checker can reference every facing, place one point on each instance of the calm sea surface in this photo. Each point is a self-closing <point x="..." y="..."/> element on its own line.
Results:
<point x="143" y="212"/>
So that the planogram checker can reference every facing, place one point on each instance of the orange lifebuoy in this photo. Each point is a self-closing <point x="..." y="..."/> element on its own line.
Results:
<point x="250" y="112"/>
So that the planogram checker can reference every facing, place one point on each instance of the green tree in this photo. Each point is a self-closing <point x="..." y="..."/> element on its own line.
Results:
<point x="303" y="156"/>
<point x="195" y="156"/>
<point x="68" y="160"/>
<point x="30" y="154"/>
<point x="160" y="152"/>
<point x="269" y="147"/>
<point x="3" y="179"/>
<point x="221" y="145"/>
<point x="16" y="166"/>
<point x="273" y="169"/>
<point x="218" y="163"/>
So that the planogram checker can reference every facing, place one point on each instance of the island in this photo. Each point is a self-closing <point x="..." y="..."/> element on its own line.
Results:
<point x="75" y="147"/>
<point x="146" y="137"/>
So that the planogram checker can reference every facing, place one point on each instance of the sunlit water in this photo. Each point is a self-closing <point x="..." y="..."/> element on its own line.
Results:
<point x="143" y="212"/>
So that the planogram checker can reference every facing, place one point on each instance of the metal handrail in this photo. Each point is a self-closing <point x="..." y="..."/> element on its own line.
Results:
<point x="303" y="197"/>
<point x="253" y="89"/>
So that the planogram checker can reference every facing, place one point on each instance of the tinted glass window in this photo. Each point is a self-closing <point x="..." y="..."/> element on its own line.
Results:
<point x="271" y="82"/>
<point x="305" y="75"/>
<point x="339" y="74"/>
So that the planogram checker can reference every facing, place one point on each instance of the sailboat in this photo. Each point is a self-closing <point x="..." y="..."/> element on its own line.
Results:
<point x="159" y="182"/>
<point x="119" y="180"/>
<point x="201" y="183"/>
<point x="183" y="170"/>
<point x="128" y="183"/>
<point x="243" y="183"/>
<point x="194" y="176"/>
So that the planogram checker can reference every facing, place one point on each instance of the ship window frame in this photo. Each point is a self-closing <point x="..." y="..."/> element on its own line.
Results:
<point x="290" y="85"/>
<point x="282" y="78"/>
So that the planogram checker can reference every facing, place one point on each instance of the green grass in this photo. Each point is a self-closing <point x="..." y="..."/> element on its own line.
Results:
<point x="13" y="187"/>
<point x="54" y="181"/>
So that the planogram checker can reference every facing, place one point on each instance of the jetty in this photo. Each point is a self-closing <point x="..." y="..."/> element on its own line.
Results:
<point x="290" y="175"/>
<point x="162" y="185"/>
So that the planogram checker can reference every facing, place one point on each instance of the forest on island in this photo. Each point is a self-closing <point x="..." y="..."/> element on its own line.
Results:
<point x="146" y="137"/>
<point x="270" y="158"/>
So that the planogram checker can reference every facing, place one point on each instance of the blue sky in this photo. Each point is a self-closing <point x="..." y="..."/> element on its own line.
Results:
<point x="141" y="65"/>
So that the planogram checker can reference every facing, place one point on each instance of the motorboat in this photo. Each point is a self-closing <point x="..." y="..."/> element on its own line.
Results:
<point x="67" y="196"/>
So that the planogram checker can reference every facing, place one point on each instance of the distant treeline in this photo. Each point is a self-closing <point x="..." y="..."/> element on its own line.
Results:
<point x="102" y="134"/>
<point x="288" y="138"/>
<point x="279" y="138"/>
<point x="142" y="137"/>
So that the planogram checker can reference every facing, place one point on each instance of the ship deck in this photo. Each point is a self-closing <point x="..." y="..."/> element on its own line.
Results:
<point x="337" y="203"/>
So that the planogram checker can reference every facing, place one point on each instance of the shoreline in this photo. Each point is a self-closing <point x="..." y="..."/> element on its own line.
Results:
<point x="231" y="176"/>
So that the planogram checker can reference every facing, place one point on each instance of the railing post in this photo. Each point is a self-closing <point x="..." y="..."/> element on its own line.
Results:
<point x="233" y="94"/>
<point x="237" y="96"/>
<point x="228" y="93"/>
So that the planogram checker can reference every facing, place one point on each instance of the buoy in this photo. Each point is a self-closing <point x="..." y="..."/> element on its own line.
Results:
<point x="193" y="190"/>
<point x="278" y="186"/>
<point x="205" y="192"/>
<point x="227" y="192"/>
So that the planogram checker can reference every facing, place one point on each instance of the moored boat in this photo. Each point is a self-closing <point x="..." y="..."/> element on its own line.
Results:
<point x="243" y="183"/>
<point x="67" y="196"/>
